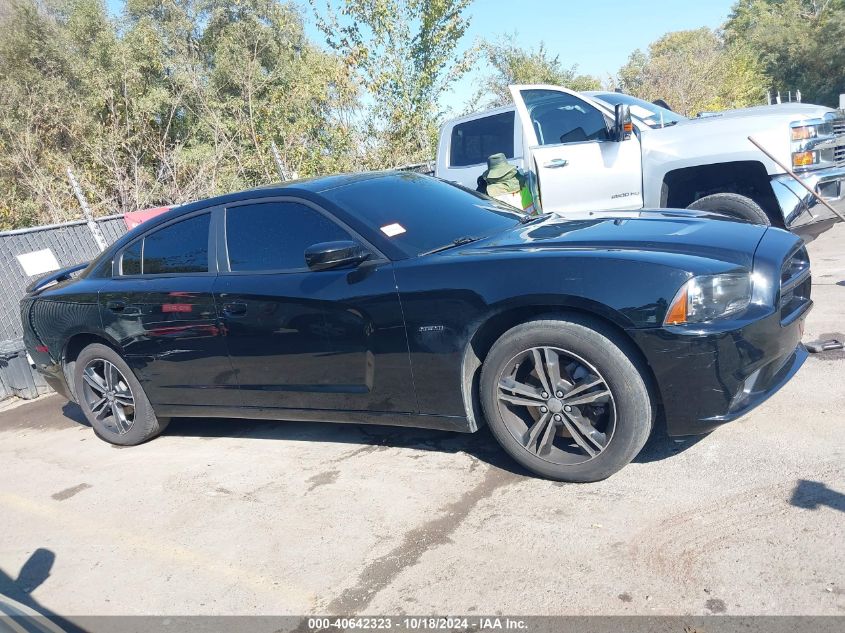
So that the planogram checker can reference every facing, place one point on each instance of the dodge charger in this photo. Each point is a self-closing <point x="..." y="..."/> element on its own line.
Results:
<point x="395" y="298"/>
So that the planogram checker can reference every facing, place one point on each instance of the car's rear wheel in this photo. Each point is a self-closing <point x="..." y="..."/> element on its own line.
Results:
<point x="734" y="205"/>
<point x="566" y="398"/>
<point x="112" y="399"/>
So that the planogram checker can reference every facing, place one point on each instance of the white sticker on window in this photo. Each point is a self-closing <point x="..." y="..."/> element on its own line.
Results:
<point x="393" y="229"/>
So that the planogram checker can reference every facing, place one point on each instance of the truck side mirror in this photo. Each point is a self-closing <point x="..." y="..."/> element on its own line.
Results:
<point x="623" y="127"/>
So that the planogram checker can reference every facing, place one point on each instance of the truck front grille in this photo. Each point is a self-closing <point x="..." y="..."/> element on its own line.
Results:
<point x="795" y="285"/>
<point x="839" y="132"/>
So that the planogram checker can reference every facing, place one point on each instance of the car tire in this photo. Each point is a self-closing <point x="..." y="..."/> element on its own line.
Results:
<point x="112" y="399"/>
<point x="734" y="205"/>
<point x="593" y="437"/>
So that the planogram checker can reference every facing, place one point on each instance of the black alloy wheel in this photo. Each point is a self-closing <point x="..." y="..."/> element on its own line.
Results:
<point x="112" y="399"/>
<point x="557" y="405"/>
<point x="108" y="396"/>
<point x="567" y="397"/>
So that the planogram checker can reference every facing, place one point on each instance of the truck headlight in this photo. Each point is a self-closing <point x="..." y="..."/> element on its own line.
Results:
<point x="810" y="142"/>
<point x="709" y="297"/>
<point x="803" y="132"/>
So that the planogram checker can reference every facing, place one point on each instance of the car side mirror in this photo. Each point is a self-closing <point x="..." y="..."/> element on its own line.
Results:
<point x="623" y="127"/>
<point x="329" y="255"/>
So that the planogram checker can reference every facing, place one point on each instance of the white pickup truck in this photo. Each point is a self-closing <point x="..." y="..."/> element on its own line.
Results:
<point x="584" y="156"/>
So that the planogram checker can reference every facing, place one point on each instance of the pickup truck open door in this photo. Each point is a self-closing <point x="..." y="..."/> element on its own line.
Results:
<point x="569" y="144"/>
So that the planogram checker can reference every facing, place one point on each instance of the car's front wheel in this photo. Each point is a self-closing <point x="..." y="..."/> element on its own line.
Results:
<point x="566" y="398"/>
<point x="112" y="399"/>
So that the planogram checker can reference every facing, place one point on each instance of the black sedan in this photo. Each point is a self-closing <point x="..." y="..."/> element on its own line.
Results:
<point x="394" y="298"/>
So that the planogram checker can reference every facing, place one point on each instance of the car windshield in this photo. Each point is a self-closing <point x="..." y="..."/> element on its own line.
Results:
<point x="649" y="113"/>
<point x="408" y="214"/>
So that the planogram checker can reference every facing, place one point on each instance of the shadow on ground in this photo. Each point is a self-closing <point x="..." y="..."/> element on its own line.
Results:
<point x="18" y="591"/>
<point x="811" y="495"/>
<point x="480" y="445"/>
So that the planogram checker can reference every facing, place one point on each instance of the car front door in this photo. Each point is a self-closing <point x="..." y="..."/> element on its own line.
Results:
<point x="302" y="339"/>
<point x="578" y="166"/>
<point x="160" y="309"/>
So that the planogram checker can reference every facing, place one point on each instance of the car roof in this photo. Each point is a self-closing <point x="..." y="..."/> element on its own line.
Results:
<point x="304" y="187"/>
<point x="301" y="186"/>
<point x="316" y="184"/>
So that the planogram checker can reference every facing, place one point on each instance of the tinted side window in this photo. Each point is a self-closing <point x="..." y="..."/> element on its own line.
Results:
<point x="274" y="235"/>
<point x="178" y="248"/>
<point x="473" y="141"/>
<point x="559" y="117"/>
<point x="131" y="262"/>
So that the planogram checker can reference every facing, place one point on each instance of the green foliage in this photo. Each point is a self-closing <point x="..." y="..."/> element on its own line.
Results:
<point x="510" y="64"/>
<point x="175" y="101"/>
<point x="799" y="43"/>
<point x="695" y="71"/>
<point x="405" y="55"/>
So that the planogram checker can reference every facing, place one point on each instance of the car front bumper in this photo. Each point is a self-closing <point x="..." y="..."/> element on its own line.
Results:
<point x="803" y="213"/>
<point x="707" y="378"/>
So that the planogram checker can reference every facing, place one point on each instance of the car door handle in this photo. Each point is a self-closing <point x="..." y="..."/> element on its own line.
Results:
<point x="234" y="309"/>
<point x="556" y="163"/>
<point x="116" y="306"/>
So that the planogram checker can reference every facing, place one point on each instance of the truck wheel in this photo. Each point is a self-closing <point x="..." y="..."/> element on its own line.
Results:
<point x="734" y="205"/>
<point x="112" y="399"/>
<point x="565" y="399"/>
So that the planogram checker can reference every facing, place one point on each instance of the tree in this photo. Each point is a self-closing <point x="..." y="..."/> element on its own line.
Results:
<point x="405" y="55"/>
<point x="799" y="43"/>
<point x="171" y="102"/>
<point x="695" y="71"/>
<point x="511" y="64"/>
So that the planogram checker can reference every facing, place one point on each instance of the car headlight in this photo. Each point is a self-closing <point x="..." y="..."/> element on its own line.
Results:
<point x="709" y="297"/>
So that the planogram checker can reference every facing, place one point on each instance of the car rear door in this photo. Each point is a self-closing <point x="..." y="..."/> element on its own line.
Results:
<point x="568" y="144"/>
<point x="160" y="308"/>
<point x="299" y="339"/>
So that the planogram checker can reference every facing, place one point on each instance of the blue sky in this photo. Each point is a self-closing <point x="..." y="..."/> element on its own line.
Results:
<point x="597" y="35"/>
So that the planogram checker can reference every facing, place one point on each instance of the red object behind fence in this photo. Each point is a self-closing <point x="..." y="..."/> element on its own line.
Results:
<point x="135" y="218"/>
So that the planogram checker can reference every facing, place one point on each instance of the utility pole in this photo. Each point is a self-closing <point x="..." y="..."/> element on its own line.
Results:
<point x="86" y="211"/>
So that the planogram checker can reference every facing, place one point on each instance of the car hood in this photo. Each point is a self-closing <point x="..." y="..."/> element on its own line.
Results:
<point x="682" y="232"/>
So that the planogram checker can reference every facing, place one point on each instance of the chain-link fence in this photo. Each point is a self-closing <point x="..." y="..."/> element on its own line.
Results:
<point x="70" y="243"/>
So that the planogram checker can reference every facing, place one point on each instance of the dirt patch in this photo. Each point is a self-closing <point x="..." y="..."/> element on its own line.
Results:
<point x="323" y="479"/>
<point x="67" y="493"/>
<point x="715" y="605"/>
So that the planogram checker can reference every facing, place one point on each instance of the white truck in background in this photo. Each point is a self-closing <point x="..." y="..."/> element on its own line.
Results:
<point x="607" y="151"/>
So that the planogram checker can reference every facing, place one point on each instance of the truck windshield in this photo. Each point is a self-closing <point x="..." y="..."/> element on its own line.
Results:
<point x="407" y="214"/>
<point x="649" y="113"/>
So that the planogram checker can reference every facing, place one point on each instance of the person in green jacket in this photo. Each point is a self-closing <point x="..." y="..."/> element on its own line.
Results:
<point x="505" y="182"/>
<point x="500" y="177"/>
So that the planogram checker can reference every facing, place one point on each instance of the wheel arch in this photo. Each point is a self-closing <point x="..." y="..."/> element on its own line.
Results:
<point x="495" y="325"/>
<point x="681" y="187"/>
<point x="74" y="346"/>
